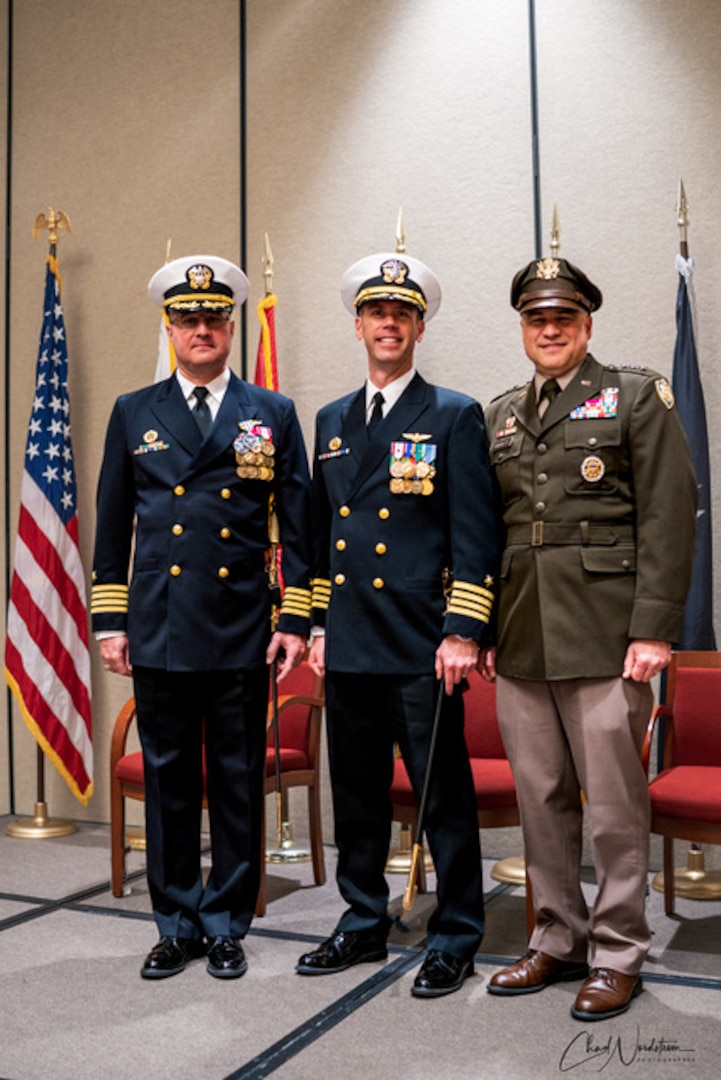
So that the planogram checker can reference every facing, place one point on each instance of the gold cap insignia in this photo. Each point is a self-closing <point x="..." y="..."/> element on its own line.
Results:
<point x="199" y="276"/>
<point x="394" y="271"/>
<point x="547" y="269"/>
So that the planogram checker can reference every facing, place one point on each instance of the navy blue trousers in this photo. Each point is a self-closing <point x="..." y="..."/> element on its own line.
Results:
<point x="366" y="715"/>
<point x="177" y="713"/>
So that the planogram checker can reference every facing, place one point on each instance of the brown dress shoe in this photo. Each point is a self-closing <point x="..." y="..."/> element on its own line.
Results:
<point x="606" y="993"/>
<point x="533" y="972"/>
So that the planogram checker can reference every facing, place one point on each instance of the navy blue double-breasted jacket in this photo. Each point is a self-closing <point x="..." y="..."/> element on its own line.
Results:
<point x="198" y="597"/>
<point x="405" y="530"/>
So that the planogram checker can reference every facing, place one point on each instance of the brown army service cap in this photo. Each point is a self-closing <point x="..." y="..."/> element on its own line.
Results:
<point x="554" y="283"/>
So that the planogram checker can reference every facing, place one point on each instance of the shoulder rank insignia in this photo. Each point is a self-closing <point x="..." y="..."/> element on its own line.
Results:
<point x="664" y="391"/>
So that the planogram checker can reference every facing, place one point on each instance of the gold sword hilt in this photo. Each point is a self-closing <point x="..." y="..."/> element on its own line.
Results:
<point x="409" y="896"/>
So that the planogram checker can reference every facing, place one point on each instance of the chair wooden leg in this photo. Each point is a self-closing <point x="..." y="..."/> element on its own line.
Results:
<point x="316" y="834"/>
<point x="117" y="840"/>
<point x="668" y="871"/>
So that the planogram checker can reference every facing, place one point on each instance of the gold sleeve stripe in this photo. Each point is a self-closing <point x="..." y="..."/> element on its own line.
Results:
<point x="321" y="593"/>
<point x="296" y="602"/>
<point x="470" y="600"/>
<point x="108" y="598"/>
<point x="475" y="590"/>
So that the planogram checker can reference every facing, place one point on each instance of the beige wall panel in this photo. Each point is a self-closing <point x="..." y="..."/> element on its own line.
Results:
<point x="356" y="110"/>
<point x="126" y="116"/>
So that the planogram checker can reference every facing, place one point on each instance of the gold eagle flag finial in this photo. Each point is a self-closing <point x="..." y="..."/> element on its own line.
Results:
<point x="53" y="222"/>
<point x="682" y="219"/>
<point x="555" y="244"/>
<point x="267" y="264"/>
<point x="400" y="233"/>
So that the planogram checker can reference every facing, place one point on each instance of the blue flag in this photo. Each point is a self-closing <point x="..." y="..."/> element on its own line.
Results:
<point x="698" y="631"/>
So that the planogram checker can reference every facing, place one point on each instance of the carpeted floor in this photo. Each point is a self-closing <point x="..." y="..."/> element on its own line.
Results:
<point x="73" y="1007"/>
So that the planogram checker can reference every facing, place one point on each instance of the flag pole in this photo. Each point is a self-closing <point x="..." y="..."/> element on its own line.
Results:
<point x="285" y="850"/>
<point x="41" y="826"/>
<point x="512" y="869"/>
<point x="692" y="881"/>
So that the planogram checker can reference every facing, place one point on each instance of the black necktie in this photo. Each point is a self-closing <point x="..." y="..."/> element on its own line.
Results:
<point x="549" y="392"/>
<point x="201" y="412"/>
<point x="377" y="414"/>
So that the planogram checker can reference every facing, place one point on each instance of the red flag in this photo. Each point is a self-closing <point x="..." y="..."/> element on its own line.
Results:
<point x="266" y="375"/>
<point x="47" y="661"/>
<point x="266" y="365"/>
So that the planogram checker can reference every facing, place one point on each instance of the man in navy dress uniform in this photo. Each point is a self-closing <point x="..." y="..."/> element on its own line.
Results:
<point x="404" y="562"/>
<point x="190" y="464"/>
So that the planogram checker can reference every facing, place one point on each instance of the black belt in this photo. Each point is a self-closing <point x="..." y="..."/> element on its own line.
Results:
<point x="538" y="533"/>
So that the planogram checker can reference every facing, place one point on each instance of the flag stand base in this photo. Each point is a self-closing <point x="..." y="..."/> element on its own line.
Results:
<point x="135" y="838"/>
<point x="40" y="827"/>
<point x="286" y="851"/>
<point x="400" y="858"/>
<point x="511" y="870"/>
<point x="693" y="881"/>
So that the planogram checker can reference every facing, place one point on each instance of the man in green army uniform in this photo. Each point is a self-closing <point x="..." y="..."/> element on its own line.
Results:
<point x="599" y="502"/>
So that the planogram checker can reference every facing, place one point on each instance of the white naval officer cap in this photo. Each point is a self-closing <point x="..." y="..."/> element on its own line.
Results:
<point x="391" y="276"/>
<point x="198" y="283"/>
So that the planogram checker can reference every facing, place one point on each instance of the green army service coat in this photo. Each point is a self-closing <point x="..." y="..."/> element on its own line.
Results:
<point x="599" y="507"/>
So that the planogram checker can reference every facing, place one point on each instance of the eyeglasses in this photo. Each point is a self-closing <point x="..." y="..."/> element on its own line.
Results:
<point x="191" y="320"/>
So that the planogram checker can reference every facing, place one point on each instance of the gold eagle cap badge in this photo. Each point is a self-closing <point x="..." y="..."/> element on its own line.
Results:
<point x="199" y="277"/>
<point x="547" y="269"/>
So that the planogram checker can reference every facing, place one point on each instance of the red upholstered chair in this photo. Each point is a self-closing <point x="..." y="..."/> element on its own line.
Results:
<point x="686" y="794"/>
<point x="492" y="776"/>
<point x="300" y="711"/>
<point x="300" y="706"/>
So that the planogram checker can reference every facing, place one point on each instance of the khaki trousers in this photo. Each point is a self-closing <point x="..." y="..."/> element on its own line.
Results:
<point x="562" y="737"/>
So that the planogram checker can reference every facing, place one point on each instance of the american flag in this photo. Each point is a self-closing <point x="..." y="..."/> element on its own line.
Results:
<point x="47" y="661"/>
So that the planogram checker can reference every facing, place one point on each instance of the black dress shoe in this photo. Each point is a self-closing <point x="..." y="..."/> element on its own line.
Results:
<point x="342" y="950"/>
<point x="226" y="959"/>
<point x="440" y="974"/>
<point x="170" y="956"/>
